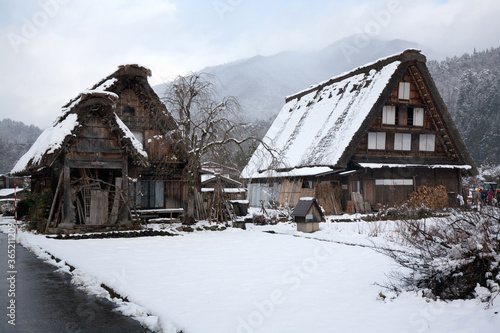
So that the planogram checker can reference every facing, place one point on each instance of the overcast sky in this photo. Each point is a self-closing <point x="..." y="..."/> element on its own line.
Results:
<point x="53" y="49"/>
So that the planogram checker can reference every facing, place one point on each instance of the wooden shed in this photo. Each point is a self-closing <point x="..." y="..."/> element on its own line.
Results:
<point x="106" y="156"/>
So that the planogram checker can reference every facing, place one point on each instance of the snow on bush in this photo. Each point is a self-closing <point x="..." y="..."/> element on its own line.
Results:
<point x="7" y="209"/>
<point x="454" y="258"/>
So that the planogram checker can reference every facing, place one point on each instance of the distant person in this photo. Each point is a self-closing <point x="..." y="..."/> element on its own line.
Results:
<point x="482" y="195"/>
<point x="489" y="197"/>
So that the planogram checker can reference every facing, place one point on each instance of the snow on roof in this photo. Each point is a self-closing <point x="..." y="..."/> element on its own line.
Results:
<point x="225" y="190"/>
<point x="5" y="192"/>
<point x="315" y="127"/>
<point x="47" y="143"/>
<point x="128" y="134"/>
<point x="430" y="166"/>
<point x="53" y="137"/>
<point x="100" y="88"/>
<point x="298" y="172"/>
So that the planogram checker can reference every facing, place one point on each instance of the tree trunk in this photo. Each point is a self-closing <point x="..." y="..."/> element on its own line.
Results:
<point x="193" y="186"/>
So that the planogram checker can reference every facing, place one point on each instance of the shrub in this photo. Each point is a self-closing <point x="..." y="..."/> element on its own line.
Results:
<point x="259" y="219"/>
<point x="407" y="211"/>
<point x="455" y="258"/>
<point x="36" y="206"/>
<point x="8" y="209"/>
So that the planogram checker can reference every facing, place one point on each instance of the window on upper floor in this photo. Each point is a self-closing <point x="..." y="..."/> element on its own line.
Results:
<point x="376" y="140"/>
<point x="427" y="142"/>
<point x="404" y="91"/>
<point x="389" y="115"/>
<point x="402" y="141"/>
<point x="128" y="109"/>
<point x="418" y="117"/>
<point x="307" y="184"/>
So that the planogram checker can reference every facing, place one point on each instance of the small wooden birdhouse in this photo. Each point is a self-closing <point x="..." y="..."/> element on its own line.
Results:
<point x="307" y="214"/>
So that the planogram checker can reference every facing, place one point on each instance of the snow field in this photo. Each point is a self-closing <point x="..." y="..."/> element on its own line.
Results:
<point x="251" y="281"/>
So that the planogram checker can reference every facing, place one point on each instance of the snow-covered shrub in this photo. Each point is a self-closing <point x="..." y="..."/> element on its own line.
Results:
<point x="455" y="258"/>
<point x="259" y="219"/>
<point x="406" y="211"/>
<point x="8" y="209"/>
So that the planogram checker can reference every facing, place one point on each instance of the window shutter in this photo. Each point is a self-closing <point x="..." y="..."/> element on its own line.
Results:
<point x="431" y="142"/>
<point x="372" y="140"/>
<point x="418" y="117"/>
<point x="427" y="142"/>
<point x="376" y="140"/>
<point x="402" y="141"/>
<point x="406" y="141"/>
<point x="404" y="90"/>
<point x="398" y="141"/>
<point x="381" y="140"/>
<point x="389" y="115"/>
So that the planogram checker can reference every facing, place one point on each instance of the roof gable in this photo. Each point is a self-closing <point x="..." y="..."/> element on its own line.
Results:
<point x="304" y="205"/>
<point x="55" y="139"/>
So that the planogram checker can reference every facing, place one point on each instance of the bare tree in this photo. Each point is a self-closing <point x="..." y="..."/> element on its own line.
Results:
<point x="205" y="121"/>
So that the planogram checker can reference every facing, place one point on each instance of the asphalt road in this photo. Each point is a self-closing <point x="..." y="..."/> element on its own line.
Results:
<point x="46" y="301"/>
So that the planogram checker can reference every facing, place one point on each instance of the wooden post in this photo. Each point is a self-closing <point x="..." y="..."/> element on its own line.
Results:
<point x="125" y="214"/>
<point x="54" y="200"/>
<point x="69" y="215"/>
<point x="116" y="201"/>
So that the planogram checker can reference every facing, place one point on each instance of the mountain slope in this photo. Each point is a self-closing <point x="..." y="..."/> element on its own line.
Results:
<point x="261" y="83"/>
<point x="15" y="139"/>
<point x="470" y="87"/>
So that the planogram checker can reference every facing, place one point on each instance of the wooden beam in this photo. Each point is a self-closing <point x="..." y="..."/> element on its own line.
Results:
<point x="54" y="200"/>
<point x="67" y="209"/>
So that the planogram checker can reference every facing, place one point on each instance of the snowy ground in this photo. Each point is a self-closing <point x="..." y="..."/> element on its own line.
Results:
<point x="254" y="281"/>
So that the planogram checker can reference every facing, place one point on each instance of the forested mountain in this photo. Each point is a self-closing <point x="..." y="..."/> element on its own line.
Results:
<point x="470" y="87"/>
<point x="15" y="139"/>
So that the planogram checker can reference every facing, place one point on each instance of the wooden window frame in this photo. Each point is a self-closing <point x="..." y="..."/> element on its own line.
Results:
<point x="404" y="91"/>
<point x="380" y="140"/>
<point x="418" y="117"/>
<point x="389" y="115"/>
<point x="394" y="182"/>
<point x="402" y="141"/>
<point x="427" y="142"/>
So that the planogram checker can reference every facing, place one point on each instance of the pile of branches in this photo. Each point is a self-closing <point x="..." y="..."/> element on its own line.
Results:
<point x="453" y="258"/>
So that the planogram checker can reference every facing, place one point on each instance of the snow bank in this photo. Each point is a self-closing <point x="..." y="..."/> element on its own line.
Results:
<point x="251" y="281"/>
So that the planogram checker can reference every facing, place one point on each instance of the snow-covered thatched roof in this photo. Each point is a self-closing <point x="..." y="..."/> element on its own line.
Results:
<point x="53" y="139"/>
<point x="318" y="129"/>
